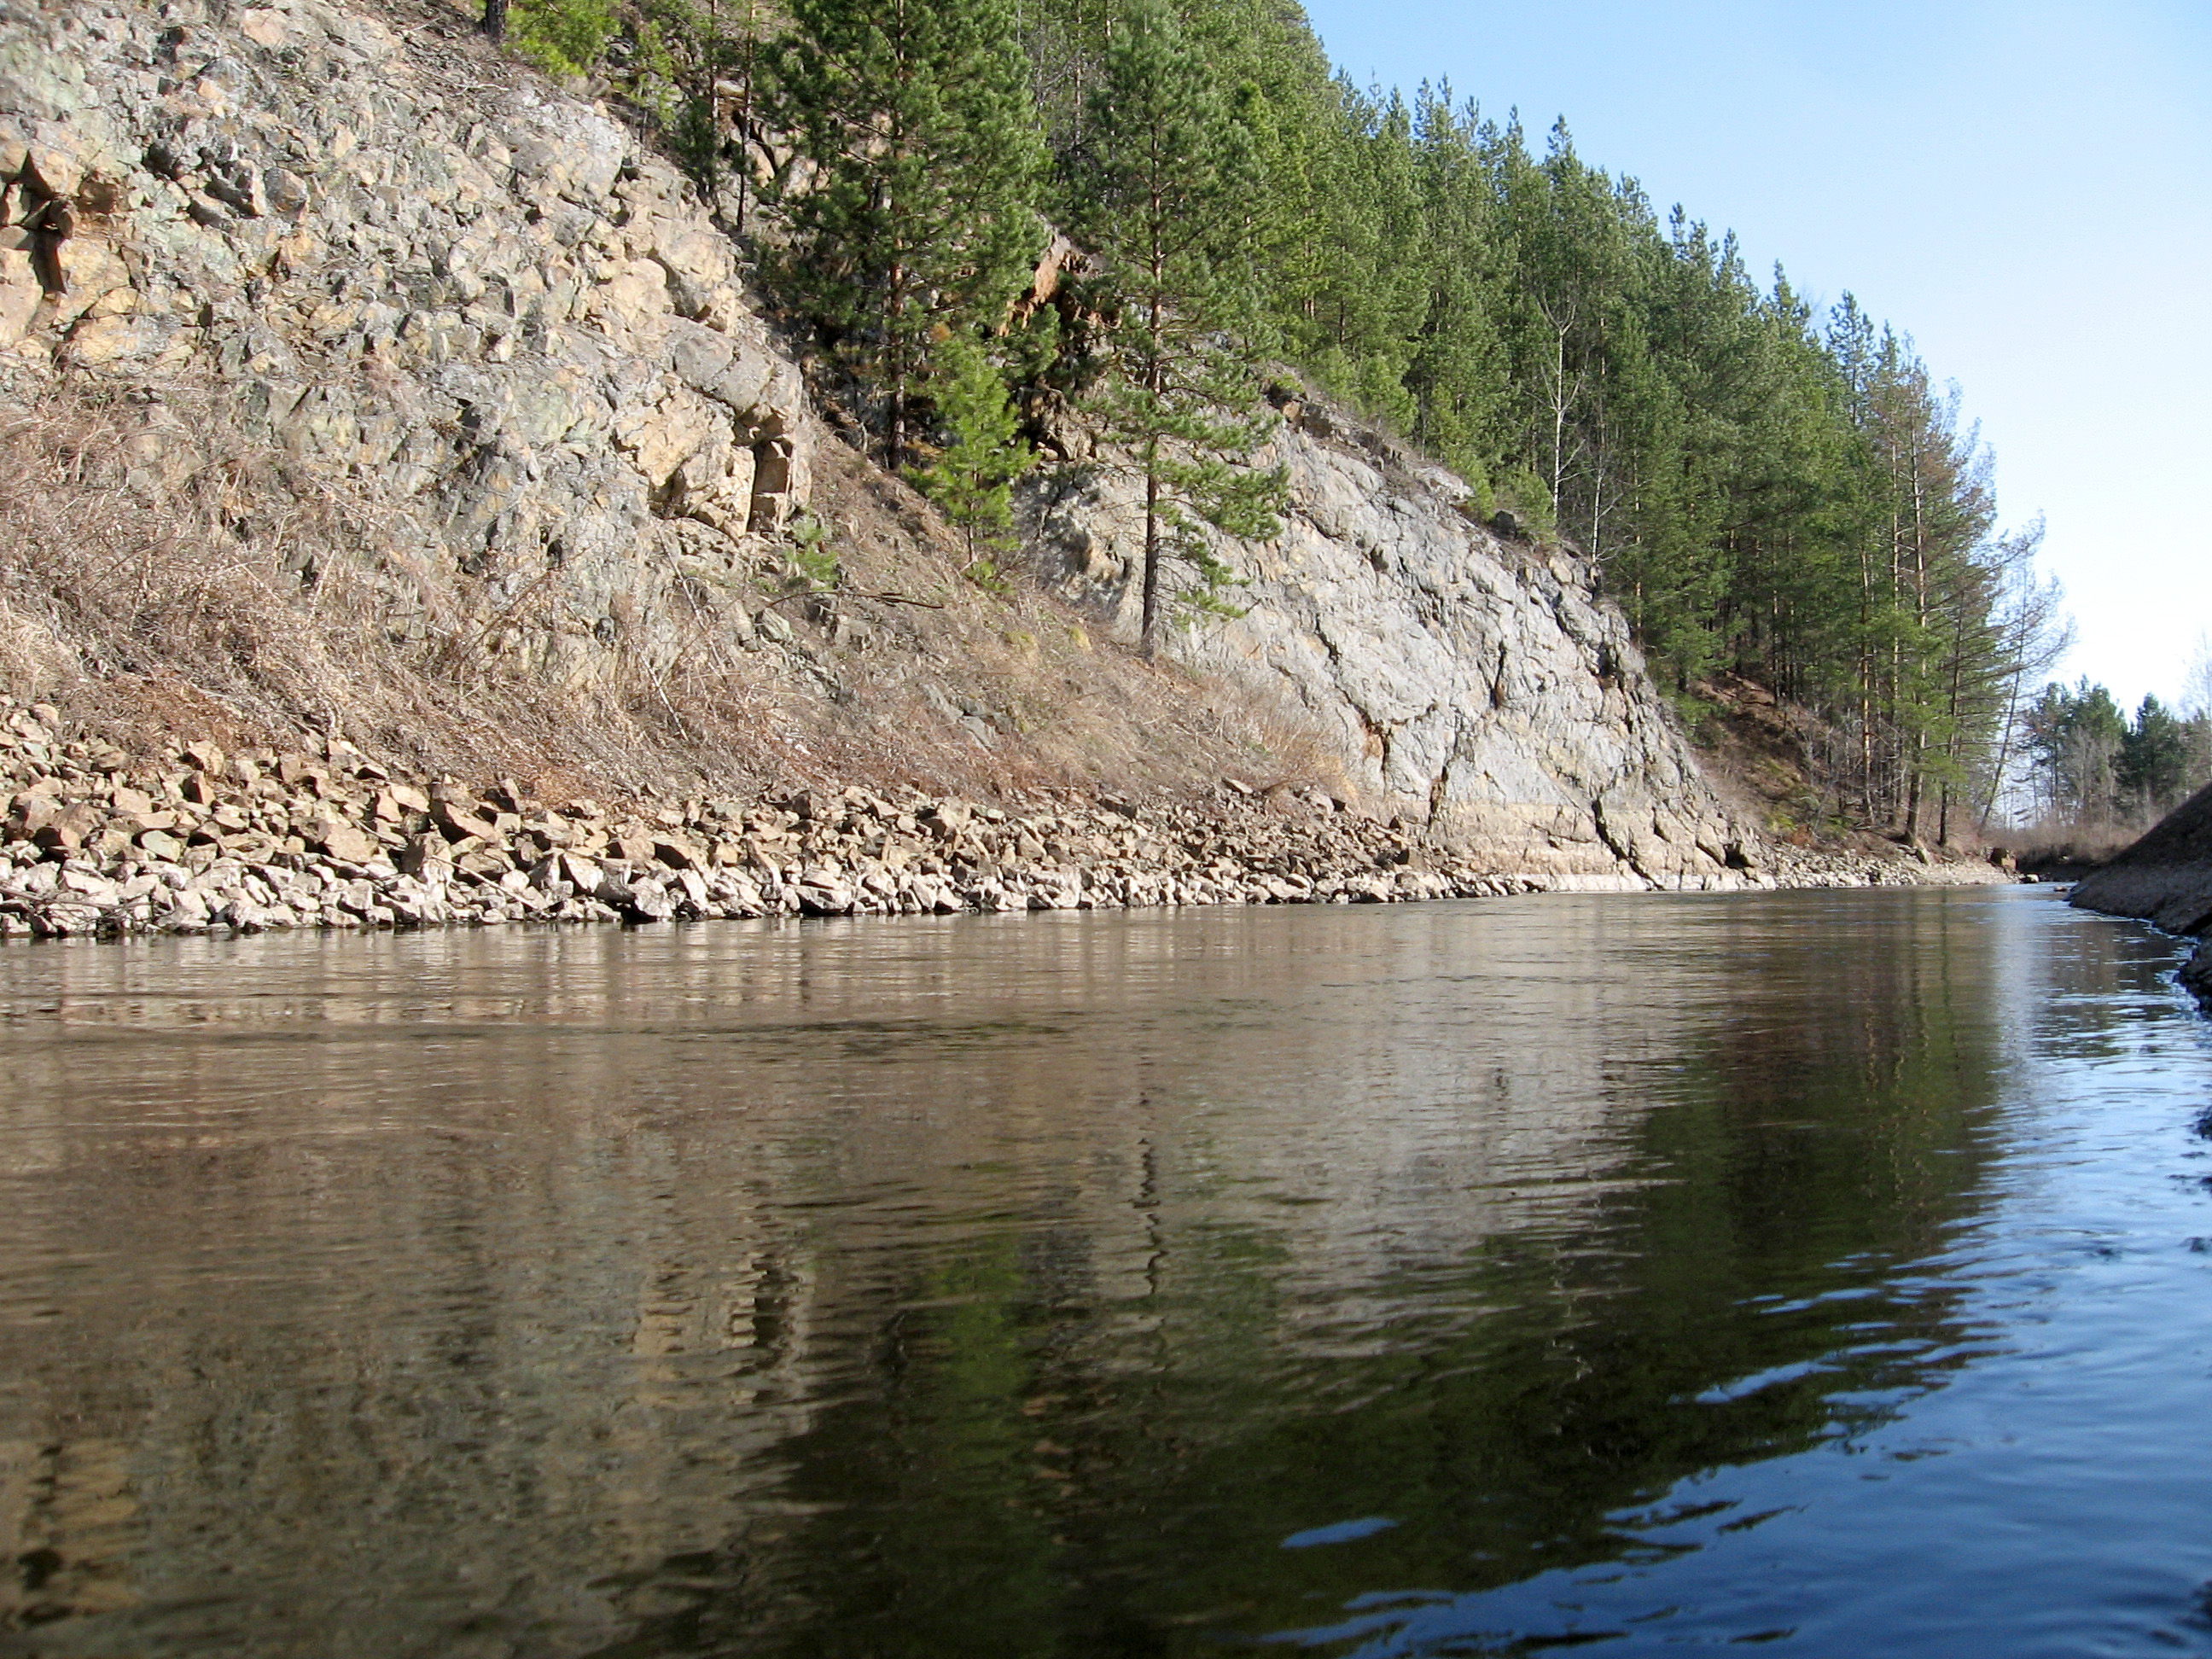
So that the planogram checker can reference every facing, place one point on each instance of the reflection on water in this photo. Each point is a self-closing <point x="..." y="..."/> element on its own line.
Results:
<point x="1439" y="1279"/>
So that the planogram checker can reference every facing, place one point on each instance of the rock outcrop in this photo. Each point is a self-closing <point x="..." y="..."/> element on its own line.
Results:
<point x="1474" y="683"/>
<point x="2165" y="878"/>
<point x="478" y="318"/>
<point x="480" y="309"/>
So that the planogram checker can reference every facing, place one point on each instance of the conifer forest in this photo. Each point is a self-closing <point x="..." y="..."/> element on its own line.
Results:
<point x="1768" y="489"/>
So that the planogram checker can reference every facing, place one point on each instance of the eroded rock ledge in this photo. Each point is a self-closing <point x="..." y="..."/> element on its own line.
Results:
<point x="323" y="835"/>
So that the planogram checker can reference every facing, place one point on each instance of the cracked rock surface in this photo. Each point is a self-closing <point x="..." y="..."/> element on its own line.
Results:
<point x="1477" y="682"/>
<point x="481" y="307"/>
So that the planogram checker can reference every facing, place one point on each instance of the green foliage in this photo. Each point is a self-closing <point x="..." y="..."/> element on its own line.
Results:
<point x="1520" y="492"/>
<point x="1694" y="712"/>
<point x="972" y="475"/>
<point x="812" y="559"/>
<point x="561" y="37"/>
<point x="985" y="574"/>
<point x="2076" y="735"/>
<point x="1790" y="497"/>
<point x="2153" y="770"/>
<point x="912" y="199"/>
<point x="1167" y="170"/>
<point x="694" y="64"/>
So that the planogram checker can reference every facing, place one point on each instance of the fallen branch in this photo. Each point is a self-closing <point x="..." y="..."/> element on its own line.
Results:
<point x="848" y="593"/>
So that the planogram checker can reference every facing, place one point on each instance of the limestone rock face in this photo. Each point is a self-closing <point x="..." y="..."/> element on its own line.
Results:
<point x="474" y="300"/>
<point x="1478" y="686"/>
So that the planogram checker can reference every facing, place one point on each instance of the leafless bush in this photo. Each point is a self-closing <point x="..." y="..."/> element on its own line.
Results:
<point x="2053" y="845"/>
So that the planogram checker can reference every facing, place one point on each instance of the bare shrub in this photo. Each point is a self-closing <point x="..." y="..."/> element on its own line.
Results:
<point x="162" y="574"/>
<point x="2052" y="847"/>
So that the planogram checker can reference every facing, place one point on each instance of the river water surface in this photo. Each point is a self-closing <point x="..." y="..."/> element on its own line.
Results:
<point x="1827" y="1271"/>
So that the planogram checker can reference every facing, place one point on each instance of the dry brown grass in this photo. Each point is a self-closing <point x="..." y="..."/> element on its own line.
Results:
<point x="2051" y="849"/>
<point x="162" y="577"/>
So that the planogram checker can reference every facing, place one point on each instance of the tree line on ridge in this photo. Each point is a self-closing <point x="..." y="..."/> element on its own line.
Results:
<point x="1788" y="495"/>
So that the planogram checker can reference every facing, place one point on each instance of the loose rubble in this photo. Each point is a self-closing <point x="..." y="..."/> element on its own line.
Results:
<point x="196" y="840"/>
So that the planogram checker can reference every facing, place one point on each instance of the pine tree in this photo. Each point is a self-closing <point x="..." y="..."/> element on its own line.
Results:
<point x="561" y="37"/>
<point x="915" y="207"/>
<point x="1457" y="374"/>
<point x="971" y="478"/>
<point x="694" y="67"/>
<point x="1800" y="505"/>
<point x="2153" y="768"/>
<point x="2075" y="735"/>
<point x="1169" y="179"/>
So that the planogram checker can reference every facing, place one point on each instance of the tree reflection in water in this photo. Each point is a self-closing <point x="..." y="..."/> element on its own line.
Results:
<point x="985" y="1286"/>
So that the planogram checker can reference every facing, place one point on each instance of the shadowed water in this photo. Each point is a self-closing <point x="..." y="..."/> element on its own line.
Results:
<point x="1830" y="1271"/>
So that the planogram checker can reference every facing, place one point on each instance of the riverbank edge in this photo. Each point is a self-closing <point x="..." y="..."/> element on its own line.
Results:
<point x="2174" y="898"/>
<point x="2165" y="878"/>
<point x="2195" y="972"/>
<point x="197" y="841"/>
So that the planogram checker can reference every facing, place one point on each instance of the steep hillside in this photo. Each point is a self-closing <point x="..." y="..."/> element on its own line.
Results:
<point x="2166" y="878"/>
<point x="361" y="383"/>
<point x="444" y="396"/>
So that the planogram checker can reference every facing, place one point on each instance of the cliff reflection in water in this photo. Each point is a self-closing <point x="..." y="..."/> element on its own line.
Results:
<point x="980" y="1286"/>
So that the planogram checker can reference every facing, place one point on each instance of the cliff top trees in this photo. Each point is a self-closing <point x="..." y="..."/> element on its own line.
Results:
<point x="2076" y="734"/>
<point x="912" y="209"/>
<point x="1797" y="503"/>
<point x="2155" y="770"/>
<point x="1167" y="185"/>
<point x="2093" y="767"/>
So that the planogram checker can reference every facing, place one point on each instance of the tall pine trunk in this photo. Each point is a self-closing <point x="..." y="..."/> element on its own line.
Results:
<point x="895" y="375"/>
<point x="1155" y="385"/>
<point x="1151" y="635"/>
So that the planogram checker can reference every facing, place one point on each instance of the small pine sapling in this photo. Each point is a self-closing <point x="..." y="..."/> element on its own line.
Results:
<point x="812" y="561"/>
<point x="972" y="478"/>
<point x="1169" y="178"/>
<point x="564" y="38"/>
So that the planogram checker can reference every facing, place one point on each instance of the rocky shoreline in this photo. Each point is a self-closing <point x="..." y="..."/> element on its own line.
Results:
<point x="196" y="840"/>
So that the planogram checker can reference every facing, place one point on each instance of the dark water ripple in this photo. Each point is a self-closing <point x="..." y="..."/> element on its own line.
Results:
<point x="1826" y="1273"/>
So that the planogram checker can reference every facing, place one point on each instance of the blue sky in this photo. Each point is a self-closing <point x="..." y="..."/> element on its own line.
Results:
<point x="2024" y="188"/>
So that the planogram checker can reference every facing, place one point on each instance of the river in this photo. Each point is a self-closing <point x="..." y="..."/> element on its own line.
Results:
<point x="1832" y="1271"/>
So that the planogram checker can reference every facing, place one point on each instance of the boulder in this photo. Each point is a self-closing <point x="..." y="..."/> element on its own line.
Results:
<point x="823" y="892"/>
<point x="341" y="840"/>
<point x="69" y="828"/>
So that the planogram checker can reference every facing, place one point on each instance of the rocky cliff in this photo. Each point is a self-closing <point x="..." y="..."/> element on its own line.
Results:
<point x="470" y="307"/>
<point x="468" y="383"/>
<point x="1476" y="683"/>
